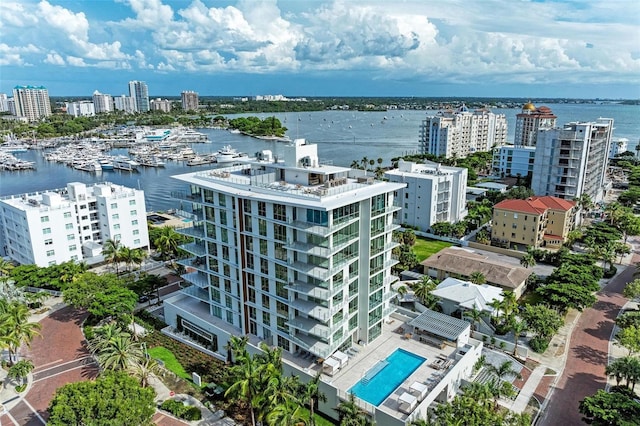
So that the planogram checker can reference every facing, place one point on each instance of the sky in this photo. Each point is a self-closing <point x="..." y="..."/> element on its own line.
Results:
<point x="484" y="48"/>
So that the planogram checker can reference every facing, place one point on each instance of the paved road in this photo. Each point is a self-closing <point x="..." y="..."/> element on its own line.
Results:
<point x="588" y="353"/>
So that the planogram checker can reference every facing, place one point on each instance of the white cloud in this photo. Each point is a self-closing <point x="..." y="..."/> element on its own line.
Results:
<point x="75" y="61"/>
<point x="14" y="15"/>
<point x="54" y="58"/>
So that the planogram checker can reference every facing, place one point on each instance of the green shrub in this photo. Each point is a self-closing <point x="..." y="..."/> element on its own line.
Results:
<point x="180" y="410"/>
<point x="89" y="333"/>
<point x="21" y="388"/>
<point x="610" y="272"/>
<point x="148" y="319"/>
<point x="538" y="344"/>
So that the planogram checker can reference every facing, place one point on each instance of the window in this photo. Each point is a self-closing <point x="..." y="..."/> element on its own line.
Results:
<point x="136" y="241"/>
<point x="71" y="237"/>
<point x="114" y="205"/>
<point x="116" y="226"/>
<point x="134" y="222"/>
<point x="67" y="215"/>
<point x="280" y="212"/>
<point x="72" y="247"/>
<point x="262" y="208"/>
<point x="74" y="257"/>
<point x="51" y="253"/>
<point x="117" y="237"/>
<point x="132" y="202"/>
<point x="48" y="242"/>
<point x="133" y="212"/>
<point x="44" y="219"/>
<point x="222" y="199"/>
<point x="46" y="231"/>
<point x="515" y="215"/>
<point x="136" y="232"/>
<point x="115" y="216"/>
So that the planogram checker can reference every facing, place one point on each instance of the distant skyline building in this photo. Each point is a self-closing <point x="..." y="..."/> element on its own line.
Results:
<point x="158" y="104"/>
<point x="11" y="106"/>
<point x="618" y="146"/>
<point x="102" y="102"/>
<point x="510" y="160"/>
<point x="124" y="103"/>
<point x="72" y="223"/>
<point x="529" y="121"/>
<point x="190" y="100"/>
<point x="80" y="108"/>
<point x="433" y="193"/>
<point x="572" y="160"/>
<point x="462" y="132"/>
<point x="4" y="105"/>
<point x="31" y="102"/>
<point x="139" y="92"/>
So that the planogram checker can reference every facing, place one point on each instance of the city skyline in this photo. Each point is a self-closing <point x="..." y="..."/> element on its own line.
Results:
<point x="324" y="48"/>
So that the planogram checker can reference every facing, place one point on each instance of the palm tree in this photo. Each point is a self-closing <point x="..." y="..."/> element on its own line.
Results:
<point x="104" y="336"/>
<point x="350" y="414"/>
<point x="402" y="291"/>
<point x="364" y="162"/>
<point x="528" y="260"/>
<point x="355" y="164"/>
<point x="20" y="370"/>
<point x="143" y="370"/>
<point x="237" y="348"/>
<point x="16" y="329"/>
<point x="477" y="277"/>
<point x="167" y="242"/>
<point x="312" y="394"/>
<point x="120" y="353"/>
<point x="475" y="315"/>
<point x="618" y="369"/>
<point x="422" y="290"/>
<point x="5" y="267"/>
<point x="289" y="413"/>
<point x="111" y="252"/>
<point x="517" y="327"/>
<point x="503" y="370"/>
<point x="246" y="385"/>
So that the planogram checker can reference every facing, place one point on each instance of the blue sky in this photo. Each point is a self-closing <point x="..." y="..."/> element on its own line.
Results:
<point x="502" y="48"/>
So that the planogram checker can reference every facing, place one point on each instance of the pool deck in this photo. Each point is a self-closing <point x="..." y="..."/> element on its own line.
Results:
<point x="369" y="355"/>
<point x="172" y="221"/>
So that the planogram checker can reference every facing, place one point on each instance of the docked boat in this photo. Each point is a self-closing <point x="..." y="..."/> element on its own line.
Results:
<point x="199" y="161"/>
<point x="89" y="166"/>
<point x="150" y="161"/>
<point x="228" y="155"/>
<point x="127" y="164"/>
<point x="106" y="164"/>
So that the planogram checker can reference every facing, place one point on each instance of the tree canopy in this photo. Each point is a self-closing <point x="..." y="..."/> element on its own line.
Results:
<point x="615" y="408"/>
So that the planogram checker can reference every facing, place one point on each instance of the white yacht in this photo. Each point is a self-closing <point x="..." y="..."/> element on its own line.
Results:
<point x="228" y="155"/>
<point x="124" y="163"/>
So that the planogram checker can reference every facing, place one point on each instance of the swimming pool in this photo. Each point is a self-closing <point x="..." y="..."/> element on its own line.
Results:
<point x="384" y="377"/>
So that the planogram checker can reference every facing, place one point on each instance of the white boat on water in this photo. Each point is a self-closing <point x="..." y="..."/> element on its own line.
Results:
<point x="89" y="166"/>
<point x="106" y="164"/>
<point x="228" y="155"/>
<point x="124" y="163"/>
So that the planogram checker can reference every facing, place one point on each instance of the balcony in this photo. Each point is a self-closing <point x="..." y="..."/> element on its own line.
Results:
<point x="316" y="311"/>
<point x="197" y="249"/>
<point x="196" y="230"/>
<point x="197" y="278"/>
<point x="385" y="229"/>
<point x="324" y="252"/>
<point x="323" y="231"/>
<point x="198" y="263"/>
<point x="312" y="290"/>
<point x="320" y="272"/>
<point x="386" y="210"/>
<point x="386" y="247"/>
<point x="187" y="196"/>
<point x="196" y="292"/>
<point x="310" y="326"/>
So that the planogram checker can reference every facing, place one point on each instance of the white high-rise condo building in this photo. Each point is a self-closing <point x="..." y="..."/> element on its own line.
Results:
<point x="72" y="223"/>
<point x="102" y="102"/>
<point x="80" y="108"/>
<point x="189" y="100"/>
<point x="139" y="92"/>
<point x="292" y="252"/>
<point x="462" y="132"/>
<point x="433" y="193"/>
<point x="124" y="103"/>
<point x="32" y="102"/>
<point x="510" y="160"/>
<point x="529" y="121"/>
<point x="158" y="104"/>
<point x="572" y="160"/>
<point x="4" y="106"/>
<point x="618" y="146"/>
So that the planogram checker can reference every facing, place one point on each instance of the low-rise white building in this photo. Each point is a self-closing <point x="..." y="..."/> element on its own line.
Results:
<point x="70" y="224"/>
<point x="618" y="146"/>
<point x="81" y="109"/>
<point x="510" y="160"/>
<point x="434" y="193"/>
<point x="459" y="295"/>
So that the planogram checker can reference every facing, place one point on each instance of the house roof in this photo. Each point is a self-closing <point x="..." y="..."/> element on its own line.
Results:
<point x="536" y="205"/>
<point x="438" y="324"/>
<point x="468" y="295"/>
<point x="556" y="203"/>
<point x="463" y="262"/>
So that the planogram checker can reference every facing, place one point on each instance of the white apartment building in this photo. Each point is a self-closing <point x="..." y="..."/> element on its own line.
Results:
<point x="72" y="223"/>
<point x="31" y="102"/>
<point x="124" y="103"/>
<point x="618" y="146"/>
<point x="461" y="132"/>
<point x="433" y="193"/>
<point x="529" y="121"/>
<point x="572" y="160"/>
<point x="80" y="109"/>
<point x="510" y="160"/>
<point x="189" y="100"/>
<point x="4" y="105"/>
<point x="102" y="102"/>
<point x="139" y="93"/>
<point x="158" y="104"/>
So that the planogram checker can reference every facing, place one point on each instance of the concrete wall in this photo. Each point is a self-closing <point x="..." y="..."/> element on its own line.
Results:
<point x="500" y="250"/>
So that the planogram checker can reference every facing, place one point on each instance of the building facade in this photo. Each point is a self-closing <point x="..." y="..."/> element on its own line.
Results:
<point x="433" y="193"/>
<point x="293" y="252"/>
<point x="72" y="223"/>
<point x="190" y="100"/>
<point x="139" y="93"/>
<point x="124" y="103"/>
<point x="536" y="222"/>
<point x="618" y="146"/>
<point x="31" y="102"/>
<point x="102" y="102"/>
<point x="158" y="104"/>
<point x="4" y="105"/>
<point x="462" y="132"/>
<point x="80" y="109"/>
<point x="510" y="160"/>
<point x="529" y="121"/>
<point x="572" y="160"/>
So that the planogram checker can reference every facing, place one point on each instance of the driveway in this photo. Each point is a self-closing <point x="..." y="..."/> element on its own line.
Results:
<point x="588" y="353"/>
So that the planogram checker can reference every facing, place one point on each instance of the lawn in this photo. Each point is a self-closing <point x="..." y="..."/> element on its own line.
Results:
<point x="425" y="247"/>
<point x="169" y="360"/>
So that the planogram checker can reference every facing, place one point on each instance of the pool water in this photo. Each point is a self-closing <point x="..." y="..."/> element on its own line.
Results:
<point x="384" y="377"/>
<point x="187" y="220"/>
